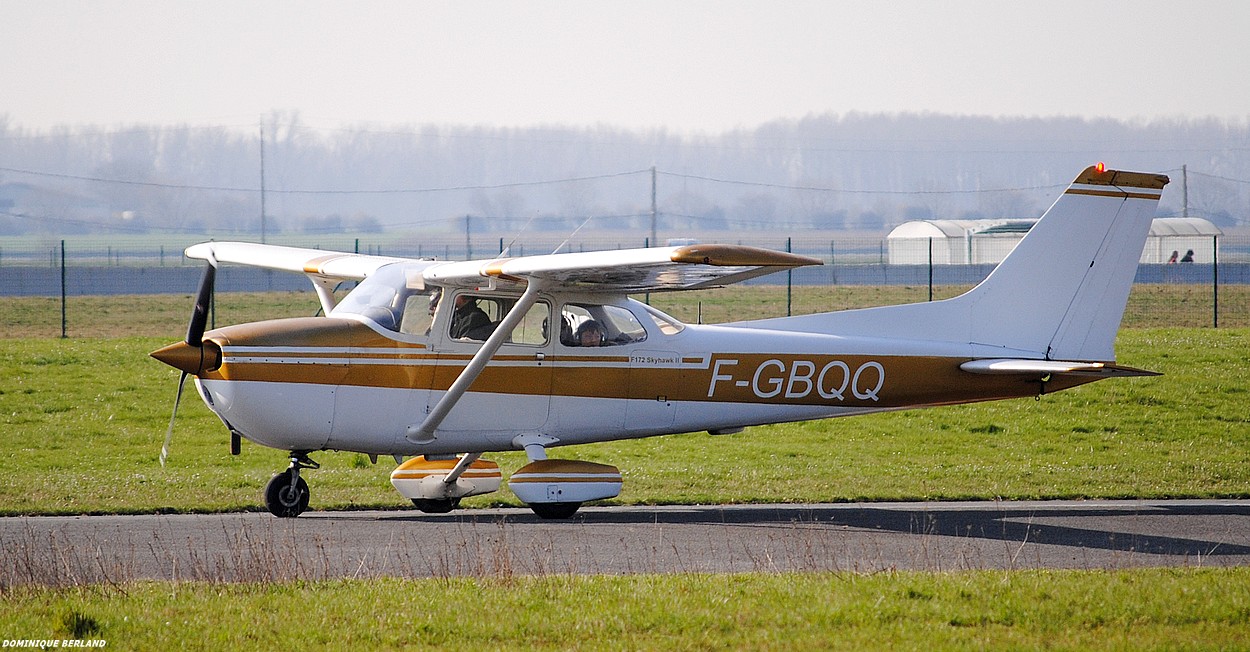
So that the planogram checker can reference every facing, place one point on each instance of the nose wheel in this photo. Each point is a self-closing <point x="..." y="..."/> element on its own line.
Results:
<point x="286" y="495"/>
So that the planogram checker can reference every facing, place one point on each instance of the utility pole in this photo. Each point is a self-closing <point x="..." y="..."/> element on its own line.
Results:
<point x="468" y="245"/>
<point x="653" y="240"/>
<point x="1184" y="191"/>
<point x="262" y="182"/>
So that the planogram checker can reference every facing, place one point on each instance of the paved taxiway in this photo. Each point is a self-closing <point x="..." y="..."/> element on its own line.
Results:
<point x="844" y="537"/>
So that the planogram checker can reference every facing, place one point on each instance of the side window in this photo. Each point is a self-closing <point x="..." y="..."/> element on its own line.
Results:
<point x="469" y="319"/>
<point x="418" y="314"/>
<point x="533" y="327"/>
<point x="588" y="325"/>
<point x="475" y="318"/>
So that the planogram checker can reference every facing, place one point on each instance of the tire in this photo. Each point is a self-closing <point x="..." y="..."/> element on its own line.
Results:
<point x="555" y="510"/>
<point x="436" y="505"/>
<point x="282" y="500"/>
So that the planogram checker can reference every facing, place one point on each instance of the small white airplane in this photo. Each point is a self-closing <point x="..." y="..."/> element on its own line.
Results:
<point x="446" y="361"/>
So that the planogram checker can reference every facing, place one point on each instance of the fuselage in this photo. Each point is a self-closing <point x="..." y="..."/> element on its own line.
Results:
<point x="349" y="383"/>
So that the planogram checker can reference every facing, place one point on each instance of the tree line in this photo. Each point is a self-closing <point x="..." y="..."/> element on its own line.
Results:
<point x="853" y="171"/>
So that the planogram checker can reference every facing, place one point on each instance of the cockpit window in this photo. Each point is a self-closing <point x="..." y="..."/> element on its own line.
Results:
<point x="476" y="317"/>
<point x="394" y="298"/>
<point x="599" y="325"/>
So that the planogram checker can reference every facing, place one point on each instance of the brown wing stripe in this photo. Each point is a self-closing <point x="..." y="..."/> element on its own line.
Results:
<point x="316" y="265"/>
<point x="721" y="255"/>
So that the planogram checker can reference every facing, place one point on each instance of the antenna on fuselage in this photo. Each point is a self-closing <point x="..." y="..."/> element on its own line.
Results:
<point x="566" y="240"/>
<point x="503" y="251"/>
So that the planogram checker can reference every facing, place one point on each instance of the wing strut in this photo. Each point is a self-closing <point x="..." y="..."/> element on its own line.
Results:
<point x="325" y="291"/>
<point x="425" y="433"/>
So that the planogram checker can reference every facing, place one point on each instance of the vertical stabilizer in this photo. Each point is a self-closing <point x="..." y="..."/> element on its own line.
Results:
<point x="1063" y="289"/>
<point x="1058" y="295"/>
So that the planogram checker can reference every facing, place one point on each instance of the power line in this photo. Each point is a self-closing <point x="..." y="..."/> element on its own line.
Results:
<point x="1216" y="176"/>
<point x="383" y="191"/>
<point x="860" y="192"/>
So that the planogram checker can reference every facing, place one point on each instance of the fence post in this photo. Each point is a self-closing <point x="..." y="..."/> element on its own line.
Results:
<point x="1215" y="281"/>
<point x="789" y="280"/>
<point x="930" y="269"/>
<point x="646" y="298"/>
<point x="64" y="322"/>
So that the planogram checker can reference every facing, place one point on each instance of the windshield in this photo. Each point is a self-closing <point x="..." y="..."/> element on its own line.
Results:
<point x="394" y="298"/>
<point x="667" y="324"/>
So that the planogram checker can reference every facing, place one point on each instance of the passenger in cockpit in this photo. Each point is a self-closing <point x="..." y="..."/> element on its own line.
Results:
<point x="590" y="333"/>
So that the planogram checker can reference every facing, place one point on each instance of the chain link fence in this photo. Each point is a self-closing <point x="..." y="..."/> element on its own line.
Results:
<point x="54" y="287"/>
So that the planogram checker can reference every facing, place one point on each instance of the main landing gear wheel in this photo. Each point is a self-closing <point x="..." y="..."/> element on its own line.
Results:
<point x="286" y="495"/>
<point x="436" y="505"/>
<point x="555" y="510"/>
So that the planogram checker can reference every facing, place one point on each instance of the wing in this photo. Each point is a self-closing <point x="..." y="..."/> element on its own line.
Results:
<point x="333" y="265"/>
<point x="326" y="269"/>
<point x="691" y="267"/>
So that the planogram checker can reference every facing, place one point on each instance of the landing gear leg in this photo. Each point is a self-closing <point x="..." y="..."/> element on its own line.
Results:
<point x="287" y="493"/>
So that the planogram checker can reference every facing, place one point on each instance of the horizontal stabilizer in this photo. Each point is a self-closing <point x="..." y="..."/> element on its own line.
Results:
<point x="1019" y="367"/>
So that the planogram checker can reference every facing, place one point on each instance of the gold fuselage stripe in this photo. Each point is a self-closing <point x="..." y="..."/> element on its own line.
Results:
<point x="752" y="378"/>
<point x="348" y="353"/>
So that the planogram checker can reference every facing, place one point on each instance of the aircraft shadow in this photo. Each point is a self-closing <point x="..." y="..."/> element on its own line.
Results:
<point x="1010" y="524"/>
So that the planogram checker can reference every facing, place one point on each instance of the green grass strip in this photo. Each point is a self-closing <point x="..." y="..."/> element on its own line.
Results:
<point x="1064" y="610"/>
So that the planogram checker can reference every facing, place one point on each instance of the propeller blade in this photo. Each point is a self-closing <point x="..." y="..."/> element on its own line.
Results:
<point x="199" y="316"/>
<point x="169" y="432"/>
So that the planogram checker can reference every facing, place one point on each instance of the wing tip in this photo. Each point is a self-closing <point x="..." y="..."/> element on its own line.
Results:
<point x="723" y="255"/>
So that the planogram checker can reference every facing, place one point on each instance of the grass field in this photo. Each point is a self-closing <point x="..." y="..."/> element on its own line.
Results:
<point x="83" y="420"/>
<point x="1063" y="610"/>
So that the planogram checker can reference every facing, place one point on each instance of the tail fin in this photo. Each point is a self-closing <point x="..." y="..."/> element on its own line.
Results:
<point x="1063" y="289"/>
<point x="1060" y="294"/>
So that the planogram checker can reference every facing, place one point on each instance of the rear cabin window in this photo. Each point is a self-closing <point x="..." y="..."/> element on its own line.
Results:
<point x="590" y="325"/>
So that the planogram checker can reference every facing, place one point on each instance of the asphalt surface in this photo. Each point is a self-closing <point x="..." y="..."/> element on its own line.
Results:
<point x="862" y="537"/>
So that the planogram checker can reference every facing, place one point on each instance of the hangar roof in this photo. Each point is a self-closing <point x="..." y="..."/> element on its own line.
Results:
<point x="1160" y="227"/>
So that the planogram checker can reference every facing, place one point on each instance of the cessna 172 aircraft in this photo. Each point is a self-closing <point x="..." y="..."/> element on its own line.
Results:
<point x="446" y="361"/>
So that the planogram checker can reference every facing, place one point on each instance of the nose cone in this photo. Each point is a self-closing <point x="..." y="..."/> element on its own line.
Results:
<point x="191" y="359"/>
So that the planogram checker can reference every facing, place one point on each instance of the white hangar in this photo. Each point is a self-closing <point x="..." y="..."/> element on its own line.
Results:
<point x="970" y="242"/>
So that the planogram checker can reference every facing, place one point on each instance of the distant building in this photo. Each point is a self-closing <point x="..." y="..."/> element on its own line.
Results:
<point x="966" y="242"/>
<point x="1180" y="234"/>
<point x="955" y="242"/>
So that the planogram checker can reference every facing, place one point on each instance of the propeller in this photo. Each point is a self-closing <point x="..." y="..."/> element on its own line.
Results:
<point x="203" y="299"/>
<point x="169" y="432"/>
<point x="188" y="356"/>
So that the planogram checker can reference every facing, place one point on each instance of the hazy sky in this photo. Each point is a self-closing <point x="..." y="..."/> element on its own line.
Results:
<point x="686" y="66"/>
